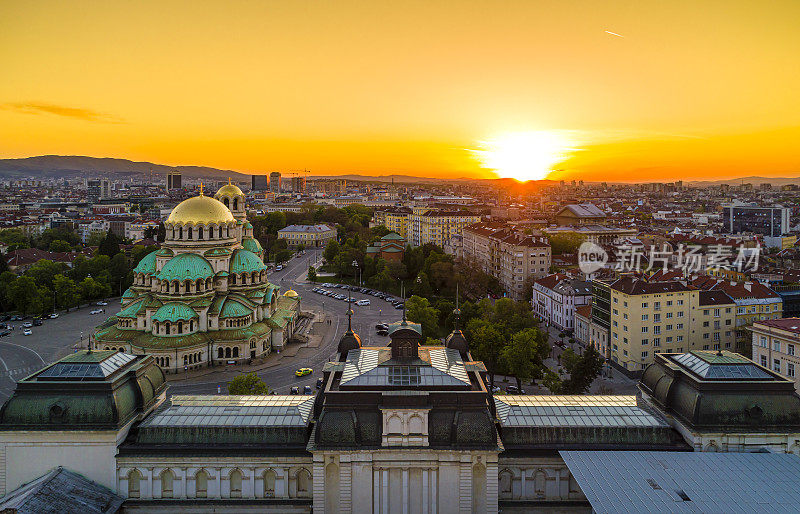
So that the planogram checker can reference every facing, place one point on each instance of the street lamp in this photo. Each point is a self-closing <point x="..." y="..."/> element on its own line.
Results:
<point x="355" y="263"/>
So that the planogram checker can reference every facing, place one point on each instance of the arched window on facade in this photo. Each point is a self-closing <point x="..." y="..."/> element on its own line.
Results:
<point x="200" y="233"/>
<point x="180" y="327"/>
<point x="303" y="483"/>
<point x="167" y="327"/>
<point x="226" y="202"/>
<point x="235" y="204"/>
<point x="180" y="232"/>
<point x="236" y="483"/>
<point x="166" y="483"/>
<point x="134" y="483"/>
<point x="235" y="352"/>
<point x="269" y="483"/>
<point x="189" y="232"/>
<point x="220" y="353"/>
<point x="201" y="484"/>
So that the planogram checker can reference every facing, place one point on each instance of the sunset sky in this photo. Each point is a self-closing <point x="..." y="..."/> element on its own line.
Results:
<point x="638" y="90"/>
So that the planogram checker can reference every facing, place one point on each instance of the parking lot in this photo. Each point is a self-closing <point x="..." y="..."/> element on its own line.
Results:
<point x="21" y="355"/>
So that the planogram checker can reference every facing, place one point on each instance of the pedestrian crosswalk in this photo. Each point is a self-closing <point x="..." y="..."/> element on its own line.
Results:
<point x="20" y="372"/>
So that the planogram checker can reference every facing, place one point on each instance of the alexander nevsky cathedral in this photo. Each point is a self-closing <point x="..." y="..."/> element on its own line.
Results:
<point x="204" y="298"/>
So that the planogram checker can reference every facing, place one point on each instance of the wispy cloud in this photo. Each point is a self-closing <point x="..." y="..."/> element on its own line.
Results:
<point x="60" y="110"/>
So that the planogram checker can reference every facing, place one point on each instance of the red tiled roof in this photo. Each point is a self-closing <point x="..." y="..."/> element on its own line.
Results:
<point x="585" y="311"/>
<point x="634" y="286"/>
<point x="788" y="324"/>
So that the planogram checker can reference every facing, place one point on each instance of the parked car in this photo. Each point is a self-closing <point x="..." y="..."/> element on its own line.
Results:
<point x="102" y="304"/>
<point x="37" y="323"/>
<point x="362" y="302"/>
<point x="27" y="332"/>
<point x="383" y="332"/>
<point x="307" y="389"/>
<point x="4" y="333"/>
<point x="278" y="267"/>
<point x="398" y="306"/>
<point x="303" y="372"/>
<point x="512" y="389"/>
<point x="97" y="311"/>
<point x="319" y="383"/>
<point x="381" y="326"/>
<point x="294" y="390"/>
<point x="53" y="316"/>
<point x="27" y="324"/>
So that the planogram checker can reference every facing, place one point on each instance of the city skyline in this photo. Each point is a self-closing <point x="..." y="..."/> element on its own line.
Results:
<point x="618" y="92"/>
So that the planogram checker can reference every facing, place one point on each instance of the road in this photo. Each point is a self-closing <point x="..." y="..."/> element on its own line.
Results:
<point x="281" y="378"/>
<point x="22" y="355"/>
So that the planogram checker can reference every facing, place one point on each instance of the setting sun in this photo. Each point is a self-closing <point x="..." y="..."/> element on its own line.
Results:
<point x="524" y="155"/>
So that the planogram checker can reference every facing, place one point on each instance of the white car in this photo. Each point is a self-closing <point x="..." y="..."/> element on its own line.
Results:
<point x="96" y="311"/>
<point x="102" y="303"/>
<point x="27" y="332"/>
<point x="278" y="267"/>
<point x="362" y="302"/>
<point x="53" y="316"/>
<point x="27" y="324"/>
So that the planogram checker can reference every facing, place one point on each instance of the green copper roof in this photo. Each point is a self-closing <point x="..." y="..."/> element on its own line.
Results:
<point x="139" y="339"/>
<point x="174" y="311"/>
<point x="186" y="266"/>
<point x="165" y="252"/>
<point x="252" y="244"/>
<point x="247" y="224"/>
<point x="245" y="261"/>
<point x="147" y="264"/>
<point x="233" y="309"/>
<point x="129" y="293"/>
<point x="218" y="252"/>
<point x="132" y="309"/>
<point x="392" y="236"/>
<point x="404" y="325"/>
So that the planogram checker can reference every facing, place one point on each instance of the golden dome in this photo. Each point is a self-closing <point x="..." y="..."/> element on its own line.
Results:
<point x="200" y="210"/>
<point x="228" y="189"/>
<point x="291" y="293"/>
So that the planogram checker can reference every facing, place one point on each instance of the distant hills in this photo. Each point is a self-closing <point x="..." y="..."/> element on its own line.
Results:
<point x="78" y="166"/>
<point x="74" y="166"/>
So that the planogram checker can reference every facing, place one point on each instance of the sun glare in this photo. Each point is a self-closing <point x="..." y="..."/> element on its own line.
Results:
<point x="524" y="155"/>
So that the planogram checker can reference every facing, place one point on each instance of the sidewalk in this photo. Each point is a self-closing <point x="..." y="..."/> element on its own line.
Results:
<point x="316" y="334"/>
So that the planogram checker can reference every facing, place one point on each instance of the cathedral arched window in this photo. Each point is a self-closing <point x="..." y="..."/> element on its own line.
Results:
<point x="134" y="483"/>
<point x="200" y="233"/>
<point x="167" y="479"/>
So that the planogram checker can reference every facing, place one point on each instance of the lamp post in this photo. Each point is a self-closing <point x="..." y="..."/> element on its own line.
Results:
<point x="355" y="264"/>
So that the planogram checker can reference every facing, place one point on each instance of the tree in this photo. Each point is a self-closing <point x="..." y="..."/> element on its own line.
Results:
<point x="6" y="279"/>
<point x="582" y="369"/>
<point x="523" y="356"/>
<point x="118" y="268"/>
<point x="487" y="341"/>
<point x="421" y="286"/>
<point x="419" y="310"/>
<point x="95" y="238"/>
<point x="109" y="245"/>
<point x="59" y="245"/>
<point x="44" y="271"/>
<point x="24" y="294"/>
<point x="312" y="274"/>
<point x="91" y="289"/>
<point x="247" y="384"/>
<point x="283" y="255"/>
<point x="331" y="251"/>
<point x="565" y="242"/>
<point x="67" y="294"/>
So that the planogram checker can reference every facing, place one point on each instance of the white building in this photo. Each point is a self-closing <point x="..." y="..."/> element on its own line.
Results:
<point x="556" y="297"/>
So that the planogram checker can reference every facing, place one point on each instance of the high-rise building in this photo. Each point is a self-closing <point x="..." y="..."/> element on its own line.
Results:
<point x="768" y="221"/>
<point x="105" y="189"/>
<point x="299" y="184"/>
<point x="174" y="180"/>
<point x="93" y="191"/>
<point x="275" y="182"/>
<point x="259" y="182"/>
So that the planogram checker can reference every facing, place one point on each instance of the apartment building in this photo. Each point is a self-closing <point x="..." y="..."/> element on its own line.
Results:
<point x="754" y="302"/>
<point x="776" y="345"/>
<point x="671" y="316"/>
<point x="510" y="256"/>
<point x="421" y="225"/>
<point x="556" y="298"/>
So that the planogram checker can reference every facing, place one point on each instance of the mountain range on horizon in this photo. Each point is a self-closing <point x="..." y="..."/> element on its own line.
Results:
<point x="75" y="166"/>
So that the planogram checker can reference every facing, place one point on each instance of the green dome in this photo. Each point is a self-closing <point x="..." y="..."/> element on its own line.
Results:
<point x="218" y="252"/>
<point x="129" y="293"/>
<point x="165" y="252"/>
<point x="174" y="311"/>
<point x="247" y="224"/>
<point x="234" y="309"/>
<point x="132" y="310"/>
<point x="147" y="264"/>
<point x="186" y="266"/>
<point x="245" y="261"/>
<point x="251" y="244"/>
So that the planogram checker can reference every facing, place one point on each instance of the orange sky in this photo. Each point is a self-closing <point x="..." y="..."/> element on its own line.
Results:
<point x="694" y="90"/>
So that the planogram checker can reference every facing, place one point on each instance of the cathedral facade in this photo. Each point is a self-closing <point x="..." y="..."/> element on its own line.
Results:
<point x="204" y="298"/>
